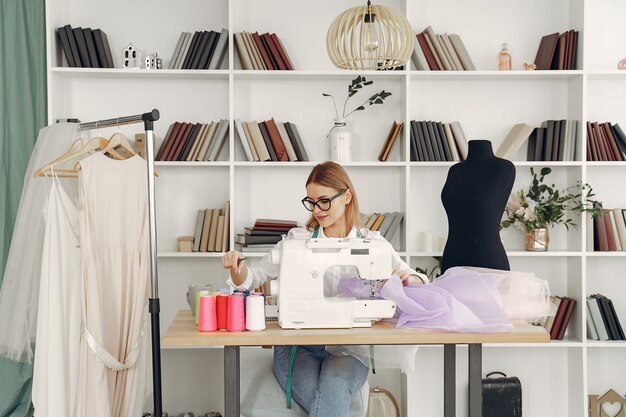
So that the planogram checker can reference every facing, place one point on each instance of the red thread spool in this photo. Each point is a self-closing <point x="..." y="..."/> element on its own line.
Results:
<point x="207" y="321"/>
<point x="222" y="311"/>
<point x="236" y="321"/>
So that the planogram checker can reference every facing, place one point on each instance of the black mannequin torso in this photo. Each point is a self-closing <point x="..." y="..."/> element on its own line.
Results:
<point x="474" y="197"/>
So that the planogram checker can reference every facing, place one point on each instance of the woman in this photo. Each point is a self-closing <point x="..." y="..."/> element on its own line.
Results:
<point x="323" y="382"/>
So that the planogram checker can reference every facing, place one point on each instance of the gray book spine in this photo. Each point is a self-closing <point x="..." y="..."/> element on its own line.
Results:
<point x="198" y="236"/>
<point x="220" y="51"/>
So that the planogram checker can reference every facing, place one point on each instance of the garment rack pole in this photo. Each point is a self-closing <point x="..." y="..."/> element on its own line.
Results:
<point x="148" y="119"/>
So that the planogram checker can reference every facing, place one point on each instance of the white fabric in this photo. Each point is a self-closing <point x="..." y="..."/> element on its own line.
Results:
<point x="20" y="287"/>
<point x="114" y="245"/>
<point x="55" y="372"/>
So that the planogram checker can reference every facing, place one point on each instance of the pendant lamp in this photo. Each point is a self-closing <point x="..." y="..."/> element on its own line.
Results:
<point x="370" y="38"/>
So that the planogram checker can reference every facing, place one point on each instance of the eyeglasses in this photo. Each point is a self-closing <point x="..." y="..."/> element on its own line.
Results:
<point x="322" y="204"/>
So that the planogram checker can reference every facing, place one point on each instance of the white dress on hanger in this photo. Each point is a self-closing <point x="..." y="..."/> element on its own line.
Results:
<point x="59" y="322"/>
<point x="115" y="256"/>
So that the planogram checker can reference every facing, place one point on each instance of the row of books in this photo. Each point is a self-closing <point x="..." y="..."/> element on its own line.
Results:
<point x="602" y="320"/>
<point x="436" y="141"/>
<point x="557" y="324"/>
<point x="555" y="140"/>
<point x="270" y="141"/>
<point x="605" y="142"/>
<point x="396" y="128"/>
<point x="212" y="230"/>
<point x="609" y="231"/>
<point x="261" y="52"/>
<point x="432" y="52"/>
<point x="386" y="224"/>
<point x="557" y="52"/>
<point x="186" y="141"/>
<point x="263" y="235"/>
<point x="200" y="50"/>
<point x="85" y="47"/>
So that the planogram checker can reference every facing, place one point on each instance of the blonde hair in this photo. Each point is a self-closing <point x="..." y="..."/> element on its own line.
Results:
<point x="331" y="174"/>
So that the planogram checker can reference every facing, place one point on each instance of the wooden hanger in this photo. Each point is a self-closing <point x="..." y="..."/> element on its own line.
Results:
<point x="118" y="139"/>
<point x="75" y="151"/>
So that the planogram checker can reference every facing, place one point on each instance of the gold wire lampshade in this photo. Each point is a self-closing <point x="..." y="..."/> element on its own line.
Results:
<point x="370" y="38"/>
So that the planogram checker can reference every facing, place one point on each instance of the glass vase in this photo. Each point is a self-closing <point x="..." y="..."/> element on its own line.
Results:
<point x="340" y="142"/>
<point x="537" y="240"/>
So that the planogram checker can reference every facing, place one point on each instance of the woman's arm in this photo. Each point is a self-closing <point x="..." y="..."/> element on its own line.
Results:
<point x="244" y="277"/>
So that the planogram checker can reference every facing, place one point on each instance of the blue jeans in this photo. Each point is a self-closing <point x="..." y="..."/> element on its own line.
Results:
<point x="322" y="383"/>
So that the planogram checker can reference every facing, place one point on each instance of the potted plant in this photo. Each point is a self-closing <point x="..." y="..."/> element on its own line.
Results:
<point x="339" y="135"/>
<point x="543" y="206"/>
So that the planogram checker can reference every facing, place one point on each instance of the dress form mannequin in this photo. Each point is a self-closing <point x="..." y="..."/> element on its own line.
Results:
<point x="474" y="197"/>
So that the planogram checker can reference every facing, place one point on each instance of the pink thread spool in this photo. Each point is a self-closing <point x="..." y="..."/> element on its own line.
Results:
<point x="222" y="311"/>
<point x="208" y="314"/>
<point x="236" y="320"/>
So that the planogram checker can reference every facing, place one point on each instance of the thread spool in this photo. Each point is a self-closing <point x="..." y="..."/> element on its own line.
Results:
<point x="222" y="311"/>
<point x="207" y="314"/>
<point x="236" y="319"/>
<point x="199" y="294"/>
<point x="255" y="313"/>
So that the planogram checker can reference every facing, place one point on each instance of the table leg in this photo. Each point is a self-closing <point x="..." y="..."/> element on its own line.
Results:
<point x="449" y="380"/>
<point x="231" y="381"/>
<point x="475" y="356"/>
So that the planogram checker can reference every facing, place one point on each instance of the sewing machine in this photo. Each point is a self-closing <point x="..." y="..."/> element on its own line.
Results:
<point x="302" y="302"/>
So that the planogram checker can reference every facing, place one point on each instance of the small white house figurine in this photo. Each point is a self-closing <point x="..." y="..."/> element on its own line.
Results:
<point x="153" y="61"/>
<point x="131" y="56"/>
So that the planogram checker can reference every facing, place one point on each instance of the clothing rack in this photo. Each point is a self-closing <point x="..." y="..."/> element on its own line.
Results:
<point x="148" y="120"/>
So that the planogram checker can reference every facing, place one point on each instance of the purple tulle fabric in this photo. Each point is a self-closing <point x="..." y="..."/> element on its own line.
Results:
<point x="461" y="300"/>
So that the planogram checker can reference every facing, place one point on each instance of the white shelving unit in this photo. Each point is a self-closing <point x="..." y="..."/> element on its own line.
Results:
<point x="556" y="377"/>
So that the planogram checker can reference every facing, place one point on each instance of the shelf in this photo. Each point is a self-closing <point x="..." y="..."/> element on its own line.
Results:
<point x="511" y="253"/>
<point x="315" y="75"/>
<point x="190" y="254"/>
<point x="606" y="344"/>
<point x="607" y="75"/>
<point x="493" y="75"/>
<point x="71" y="72"/>
<point x="617" y="254"/>
<point x="605" y="164"/>
<point x="192" y="164"/>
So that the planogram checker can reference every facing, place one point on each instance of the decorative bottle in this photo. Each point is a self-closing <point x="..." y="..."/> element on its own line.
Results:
<point x="504" y="59"/>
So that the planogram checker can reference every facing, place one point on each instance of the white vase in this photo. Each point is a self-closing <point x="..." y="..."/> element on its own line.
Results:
<point x="340" y="142"/>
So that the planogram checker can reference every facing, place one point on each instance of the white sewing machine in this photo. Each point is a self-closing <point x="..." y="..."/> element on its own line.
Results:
<point x="302" y="303"/>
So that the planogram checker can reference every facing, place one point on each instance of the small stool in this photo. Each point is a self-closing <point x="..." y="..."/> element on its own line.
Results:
<point x="262" y="396"/>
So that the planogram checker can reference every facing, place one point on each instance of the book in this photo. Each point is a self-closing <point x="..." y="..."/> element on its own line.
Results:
<point x="215" y="214"/>
<point x="620" y="331"/>
<point x="179" y="141"/>
<point x="413" y="140"/>
<point x="430" y="34"/>
<point x="220" y="234"/>
<point x="274" y="51"/>
<point x="390" y="141"/>
<point x="64" y="41"/>
<point x="263" y="51"/>
<point x="206" y="230"/>
<point x="91" y="48"/>
<point x="296" y="141"/>
<point x="607" y="316"/>
<point x="452" y="52"/>
<point x="277" y="142"/>
<point x="428" y="52"/>
<point x="193" y="48"/>
<point x="291" y="153"/>
<point x="193" y="134"/>
<point x="208" y="50"/>
<point x="259" y="142"/>
<point x="370" y="221"/>
<point x="79" y="36"/>
<point x="226" y="234"/>
<point x="74" y="47"/>
<point x="378" y="222"/>
<point x="198" y="234"/>
<point x="255" y="56"/>
<point x="427" y="142"/>
<point x="191" y="156"/>
<point x="243" y="140"/>
<point x="419" y="59"/>
<point x="179" y="45"/>
<point x="281" y="51"/>
<point x="434" y="142"/>
<point x="592" y="332"/>
<point x="612" y="247"/>
<point x="258" y="232"/>
<point x="167" y="139"/>
<point x="184" y="50"/>
<point x="464" y="57"/>
<point x="268" y="142"/>
<point x="459" y="138"/>
<point x="545" y="52"/>
<point x="556" y="301"/>
<point x="275" y="222"/>
<point x="558" y="318"/>
<point x="242" y="52"/>
<point x="257" y="239"/>
<point x="221" y="133"/>
<point x="394" y="226"/>
<point x="200" y="49"/>
<point x="571" y="303"/>
<point x="598" y="321"/>
<point x="386" y="223"/>
<point x="608" y="133"/>
<point x="209" y="136"/>
<point x="423" y="151"/>
<point x="451" y="144"/>
<point x="446" y="52"/>
<point x="618" y="134"/>
<point x="614" y="231"/>
<point x="541" y="133"/>
<point x="441" y="137"/>
<point x="246" y="131"/>
<point x="221" y="49"/>
<point x="514" y="140"/>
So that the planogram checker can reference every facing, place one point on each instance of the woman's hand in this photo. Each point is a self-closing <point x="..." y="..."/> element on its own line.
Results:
<point x="233" y="260"/>
<point x="408" y="279"/>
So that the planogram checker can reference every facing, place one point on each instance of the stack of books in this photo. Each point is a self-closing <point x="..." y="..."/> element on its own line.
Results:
<point x="270" y="141"/>
<point x="396" y="128"/>
<point x="385" y="223"/>
<point x="261" y="52"/>
<point x="86" y="48"/>
<point x="186" y="141"/>
<point x="602" y="320"/>
<point x="605" y="142"/>
<point x="444" y="52"/>
<point x="557" y="324"/>
<point x="557" y="52"/>
<point x="555" y="140"/>
<point x="264" y="235"/>
<point x="200" y="50"/>
<point x="609" y="231"/>
<point x="436" y="141"/>
<point x="212" y="227"/>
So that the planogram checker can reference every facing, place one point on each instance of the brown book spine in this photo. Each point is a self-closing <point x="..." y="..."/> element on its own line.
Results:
<point x="566" y="318"/>
<point x="277" y="142"/>
<point x="558" y="318"/>
<point x="281" y="51"/>
<point x="167" y="142"/>
<point x="430" y="58"/>
<point x="600" y="148"/>
<point x="178" y="141"/>
<point x="273" y="51"/>
<point x="591" y="155"/>
<point x="381" y="155"/>
<point x="269" y="53"/>
<point x="600" y="233"/>
<point x="263" y="51"/>
<point x="608" y="133"/>
<point x="394" y="135"/>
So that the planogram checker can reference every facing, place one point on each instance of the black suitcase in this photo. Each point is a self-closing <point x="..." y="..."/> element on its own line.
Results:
<point x="502" y="396"/>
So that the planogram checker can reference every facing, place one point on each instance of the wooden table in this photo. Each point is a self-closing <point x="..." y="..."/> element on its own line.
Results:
<point x="183" y="333"/>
